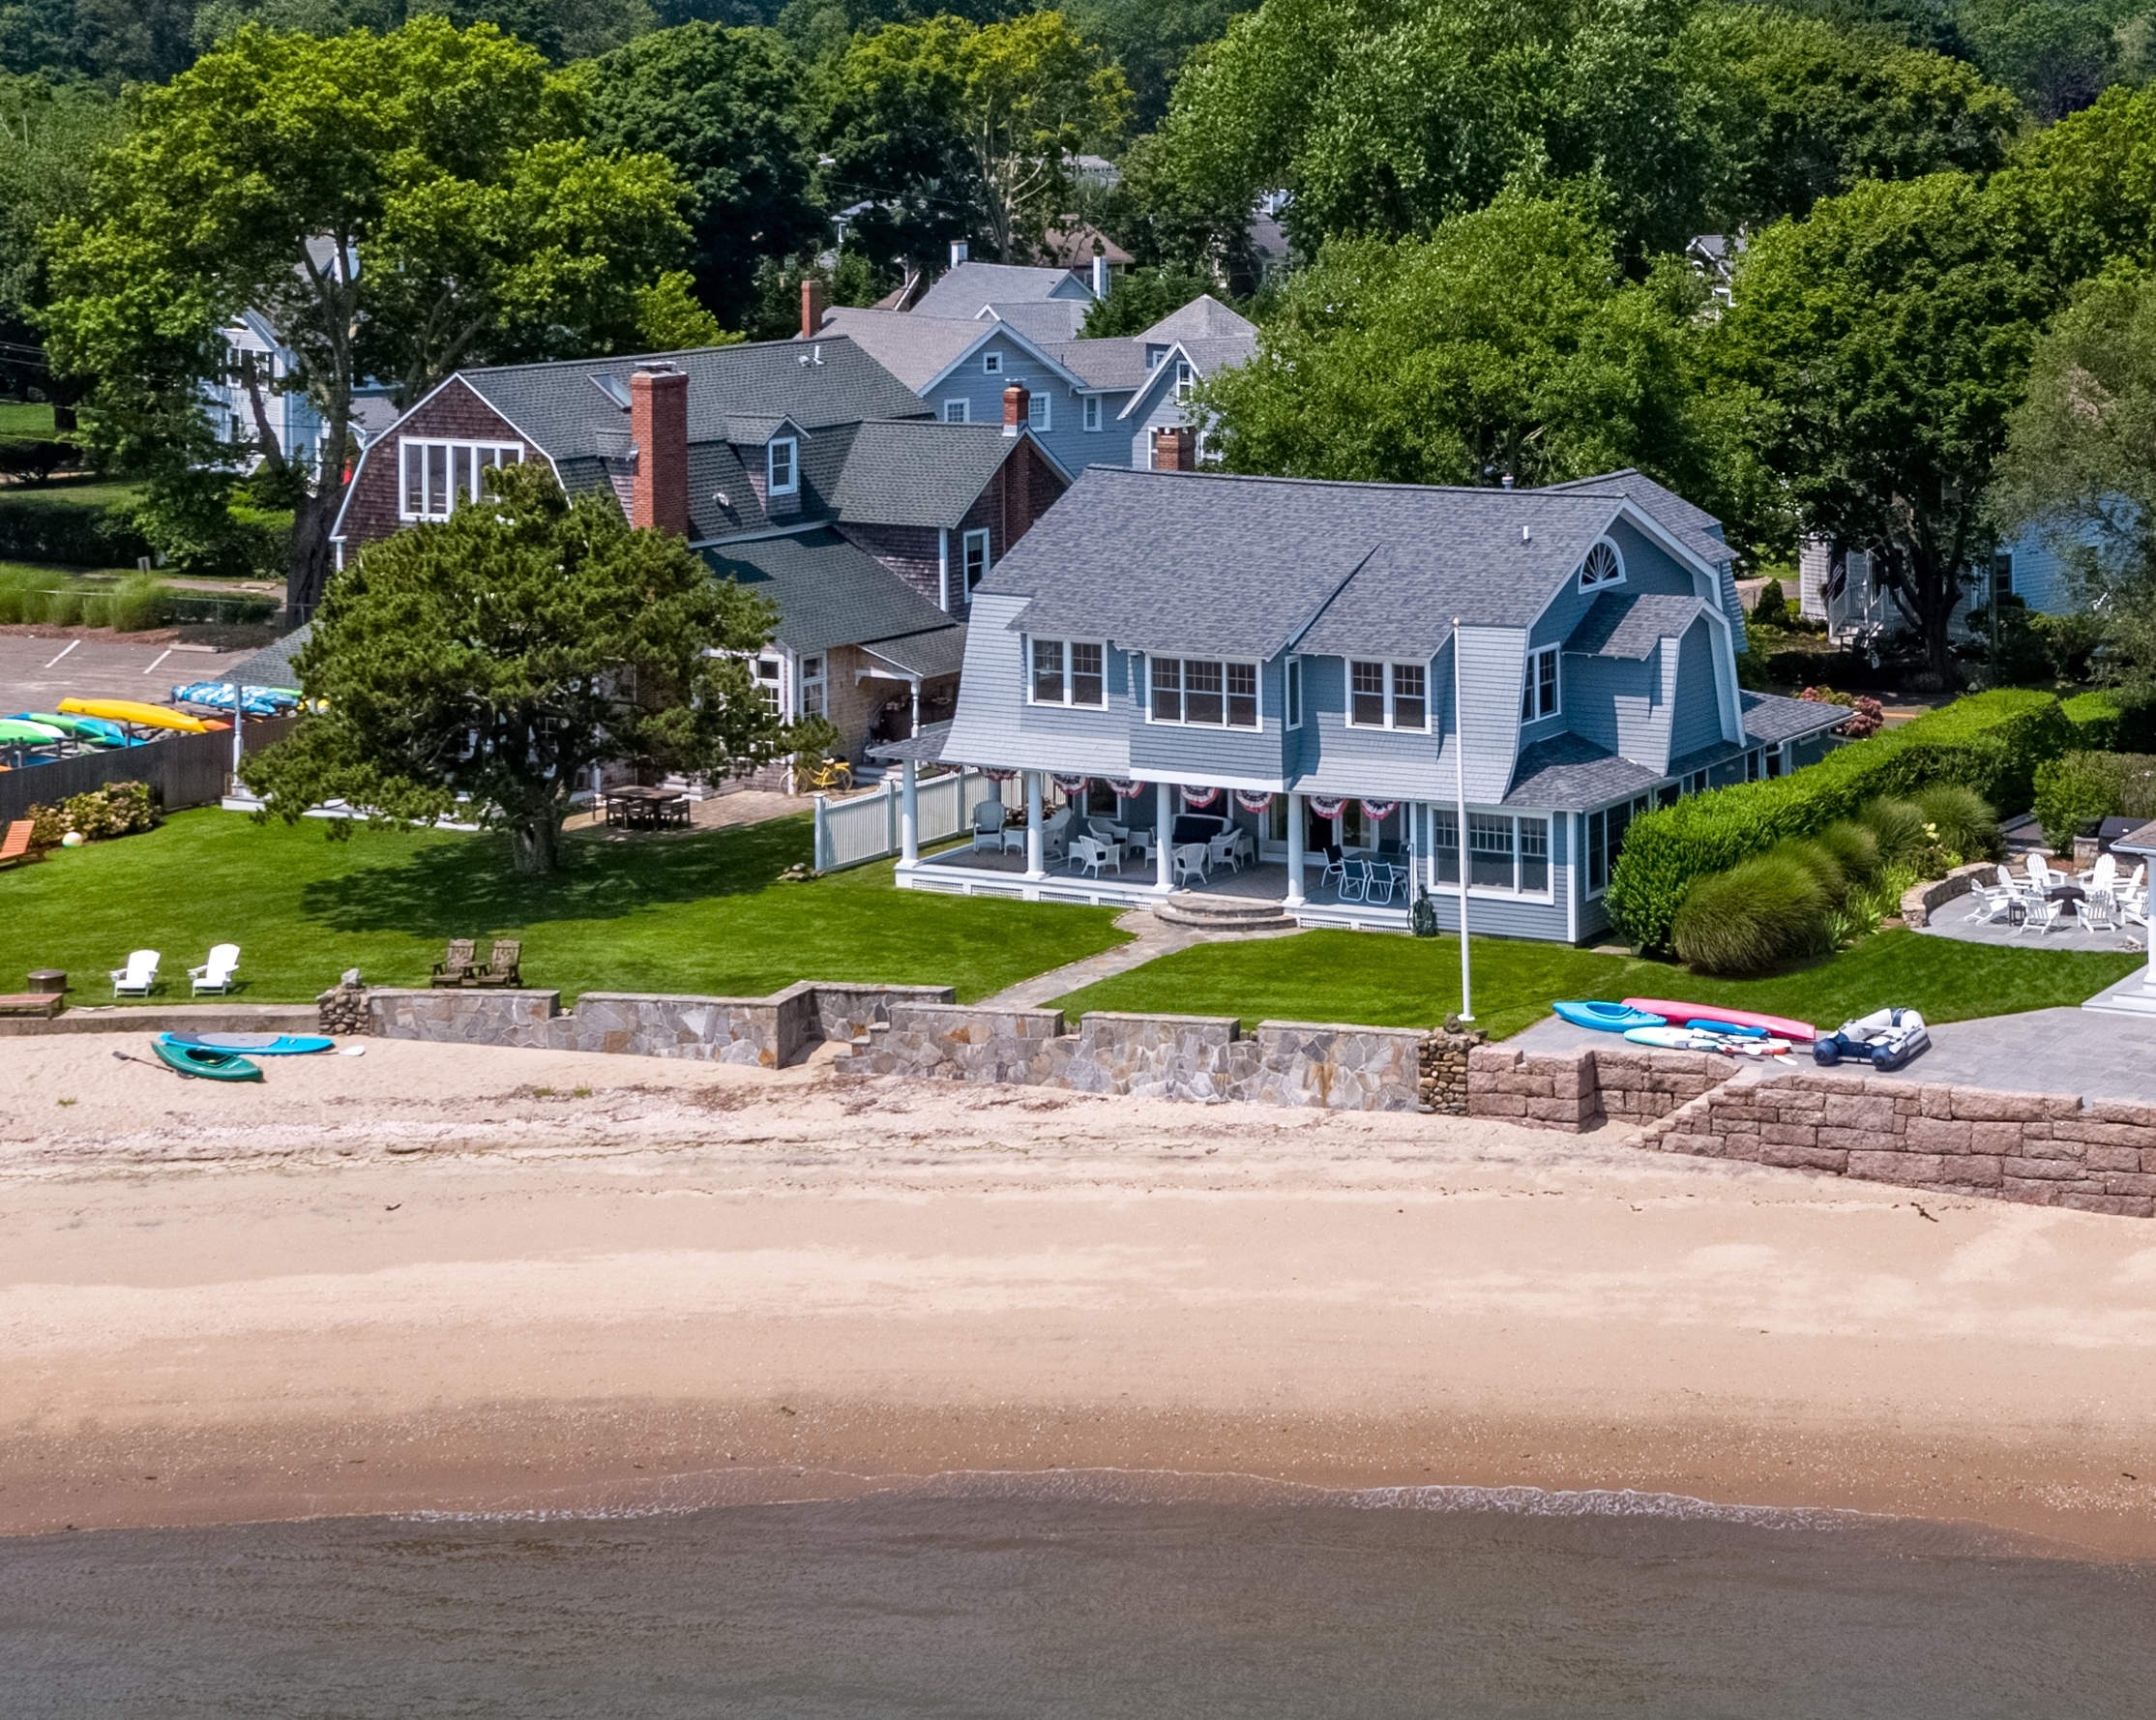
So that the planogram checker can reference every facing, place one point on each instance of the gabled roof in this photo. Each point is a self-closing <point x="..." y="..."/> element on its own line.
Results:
<point x="1570" y="771"/>
<point x="1700" y="530"/>
<point x="967" y="290"/>
<point x="556" y="406"/>
<point x="827" y="591"/>
<point x="1769" y="717"/>
<point x="915" y="349"/>
<point x="918" y="472"/>
<point x="1252" y="565"/>
<point x="1113" y="365"/>
<point x="1630" y="624"/>
<point x="1203" y="318"/>
<point x="1048" y="319"/>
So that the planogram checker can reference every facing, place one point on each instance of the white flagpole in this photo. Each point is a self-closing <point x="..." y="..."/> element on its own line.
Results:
<point x="1460" y="786"/>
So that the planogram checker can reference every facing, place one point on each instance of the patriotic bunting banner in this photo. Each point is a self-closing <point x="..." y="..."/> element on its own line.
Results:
<point x="1251" y="803"/>
<point x="1326" y="809"/>
<point x="1069" y="785"/>
<point x="1129" y="790"/>
<point x="1201" y="798"/>
<point x="1378" y="810"/>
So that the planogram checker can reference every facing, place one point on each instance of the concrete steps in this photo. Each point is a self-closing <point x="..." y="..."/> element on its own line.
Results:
<point x="1223" y="913"/>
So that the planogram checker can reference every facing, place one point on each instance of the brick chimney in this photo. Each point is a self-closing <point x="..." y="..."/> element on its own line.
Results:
<point x="1018" y="408"/>
<point x="659" y="426"/>
<point x="1175" y="449"/>
<point x="812" y="308"/>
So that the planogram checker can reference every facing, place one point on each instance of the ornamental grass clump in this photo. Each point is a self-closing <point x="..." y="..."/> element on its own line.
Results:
<point x="1761" y="914"/>
<point x="1855" y="849"/>
<point x="1962" y="822"/>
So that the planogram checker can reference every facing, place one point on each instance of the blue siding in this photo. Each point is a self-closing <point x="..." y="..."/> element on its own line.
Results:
<point x="1648" y="567"/>
<point x="1697" y="720"/>
<point x="2042" y="579"/>
<point x="1066" y="438"/>
<point x="1200" y="754"/>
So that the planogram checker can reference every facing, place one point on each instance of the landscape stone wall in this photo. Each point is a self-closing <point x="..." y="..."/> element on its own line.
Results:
<point x="1576" y="1089"/>
<point x="2046" y="1149"/>
<point x="1206" y="1059"/>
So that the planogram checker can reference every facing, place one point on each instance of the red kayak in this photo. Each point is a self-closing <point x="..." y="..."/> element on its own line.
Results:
<point x="1681" y="1013"/>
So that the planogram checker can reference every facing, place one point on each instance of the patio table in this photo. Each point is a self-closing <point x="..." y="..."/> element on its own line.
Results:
<point x="638" y="807"/>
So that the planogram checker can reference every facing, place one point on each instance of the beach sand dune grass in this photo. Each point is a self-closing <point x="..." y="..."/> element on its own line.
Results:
<point x="697" y="912"/>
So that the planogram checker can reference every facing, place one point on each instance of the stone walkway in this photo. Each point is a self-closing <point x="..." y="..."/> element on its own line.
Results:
<point x="1150" y="939"/>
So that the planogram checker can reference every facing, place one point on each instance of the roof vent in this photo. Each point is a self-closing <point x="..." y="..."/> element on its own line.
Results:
<point x="1526" y="536"/>
<point x="1506" y="480"/>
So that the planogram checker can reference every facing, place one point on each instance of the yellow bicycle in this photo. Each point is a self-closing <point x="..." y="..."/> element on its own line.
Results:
<point x="827" y="774"/>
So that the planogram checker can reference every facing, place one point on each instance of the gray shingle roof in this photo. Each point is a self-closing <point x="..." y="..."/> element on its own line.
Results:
<point x="1700" y="531"/>
<point x="1046" y="319"/>
<point x="969" y="289"/>
<point x="1203" y="318"/>
<point x="272" y="666"/>
<point x="827" y="591"/>
<point x="1770" y="718"/>
<point x="1629" y="624"/>
<point x="914" y="348"/>
<point x="1108" y="364"/>
<point x="558" y="407"/>
<point x="940" y="651"/>
<point x="925" y="748"/>
<point x="1573" y="774"/>
<point x="918" y="472"/>
<point x="1206" y="562"/>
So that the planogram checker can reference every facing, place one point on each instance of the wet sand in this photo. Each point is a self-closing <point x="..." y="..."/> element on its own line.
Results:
<point x="449" y="1279"/>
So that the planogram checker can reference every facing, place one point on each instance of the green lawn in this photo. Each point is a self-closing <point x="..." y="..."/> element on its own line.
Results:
<point x="25" y="418"/>
<point x="1354" y="976"/>
<point x="70" y="492"/>
<point x="674" y="913"/>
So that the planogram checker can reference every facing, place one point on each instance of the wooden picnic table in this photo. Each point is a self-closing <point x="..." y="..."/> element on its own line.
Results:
<point x="638" y="807"/>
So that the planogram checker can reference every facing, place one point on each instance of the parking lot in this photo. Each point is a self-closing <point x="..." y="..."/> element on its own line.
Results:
<point x="39" y="668"/>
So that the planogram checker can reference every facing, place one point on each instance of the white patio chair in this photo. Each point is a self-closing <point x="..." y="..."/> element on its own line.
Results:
<point x="136" y="979"/>
<point x="1997" y="902"/>
<point x="2133" y="898"/>
<point x="1055" y="836"/>
<point x="2101" y="875"/>
<point x="1192" y="861"/>
<point x="1336" y="866"/>
<point x="1377" y="884"/>
<point x="218" y="973"/>
<point x="1224" y="850"/>
<point x="1092" y="853"/>
<point x="987" y="826"/>
<point x="1354" y="881"/>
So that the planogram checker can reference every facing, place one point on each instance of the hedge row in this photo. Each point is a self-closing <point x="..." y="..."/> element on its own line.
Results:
<point x="2103" y="724"/>
<point x="44" y="528"/>
<point x="1991" y="742"/>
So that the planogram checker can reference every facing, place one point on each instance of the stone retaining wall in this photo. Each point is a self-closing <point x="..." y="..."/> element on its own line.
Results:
<point x="768" y="1031"/>
<point x="1203" y="1059"/>
<point x="1572" y="1090"/>
<point x="1920" y="902"/>
<point x="2047" y="1149"/>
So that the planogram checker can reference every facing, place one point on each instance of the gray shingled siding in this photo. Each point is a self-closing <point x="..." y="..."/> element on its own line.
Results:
<point x="1492" y="661"/>
<point x="1697" y="719"/>
<point x="1202" y="754"/>
<point x="1339" y="758"/>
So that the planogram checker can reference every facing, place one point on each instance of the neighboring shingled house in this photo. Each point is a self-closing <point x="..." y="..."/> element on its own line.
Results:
<point x="1111" y="402"/>
<point x="807" y="471"/>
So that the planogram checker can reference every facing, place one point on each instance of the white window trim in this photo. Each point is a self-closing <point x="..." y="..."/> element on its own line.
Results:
<point x="966" y="556"/>
<point x="991" y="363"/>
<point x="1039" y="413"/>
<point x="818" y="683"/>
<point x="460" y="448"/>
<point x="1533" y="683"/>
<point x="1093" y="415"/>
<point x="792" y="484"/>
<point x="1392" y="691"/>
<point x="1070" y="699"/>
<point x="1608" y="584"/>
<point x="1641" y="805"/>
<point x="1258" y="669"/>
<point x="1292" y="693"/>
<point x="1496" y="891"/>
<point x="1186" y="380"/>
<point x="957" y="410"/>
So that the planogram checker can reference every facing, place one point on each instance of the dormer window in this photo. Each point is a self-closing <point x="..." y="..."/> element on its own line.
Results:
<point x="1603" y="567"/>
<point x="782" y="466"/>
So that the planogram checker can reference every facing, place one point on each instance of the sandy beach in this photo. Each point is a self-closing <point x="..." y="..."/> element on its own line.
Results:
<point x="444" y="1279"/>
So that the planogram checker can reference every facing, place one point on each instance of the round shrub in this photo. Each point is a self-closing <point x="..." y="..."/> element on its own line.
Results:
<point x="1962" y="821"/>
<point x="1898" y="825"/>
<point x="1761" y="914"/>
<point x="1855" y="849"/>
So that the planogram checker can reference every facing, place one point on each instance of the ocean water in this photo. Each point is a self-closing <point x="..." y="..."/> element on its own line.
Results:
<point x="1016" y="1603"/>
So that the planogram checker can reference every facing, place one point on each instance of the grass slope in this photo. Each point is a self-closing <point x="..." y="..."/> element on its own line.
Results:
<point x="674" y="913"/>
<point x="1352" y="976"/>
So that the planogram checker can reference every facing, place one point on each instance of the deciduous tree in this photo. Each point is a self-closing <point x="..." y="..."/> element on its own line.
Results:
<point x="397" y="205"/>
<point x="483" y="666"/>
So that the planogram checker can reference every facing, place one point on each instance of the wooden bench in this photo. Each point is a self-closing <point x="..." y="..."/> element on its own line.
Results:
<point x="32" y="1003"/>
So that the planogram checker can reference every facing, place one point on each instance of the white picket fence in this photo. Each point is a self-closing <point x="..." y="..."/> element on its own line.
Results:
<point x="866" y="827"/>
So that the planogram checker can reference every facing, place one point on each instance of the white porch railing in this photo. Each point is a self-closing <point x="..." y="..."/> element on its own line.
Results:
<point x="854" y="832"/>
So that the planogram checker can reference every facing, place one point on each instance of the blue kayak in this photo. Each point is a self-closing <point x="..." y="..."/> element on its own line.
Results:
<point x="253" y="1045"/>
<point x="1732" y="1029"/>
<point x="1610" y="1017"/>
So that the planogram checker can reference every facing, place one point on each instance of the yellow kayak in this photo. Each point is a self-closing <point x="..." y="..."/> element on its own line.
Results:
<point x="128" y="710"/>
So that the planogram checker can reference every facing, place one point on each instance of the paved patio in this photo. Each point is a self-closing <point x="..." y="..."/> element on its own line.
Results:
<point x="2043" y="1051"/>
<point x="1964" y="920"/>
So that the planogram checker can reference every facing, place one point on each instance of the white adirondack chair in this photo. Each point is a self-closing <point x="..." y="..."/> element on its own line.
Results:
<point x="218" y="973"/>
<point x="136" y="979"/>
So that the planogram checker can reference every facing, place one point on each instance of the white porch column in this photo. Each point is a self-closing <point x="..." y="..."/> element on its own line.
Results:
<point x="1033" y="842"/>
<point x="1163" y="819"/>
<point x="1295" y="817"/>
<point x="909" y="816"/>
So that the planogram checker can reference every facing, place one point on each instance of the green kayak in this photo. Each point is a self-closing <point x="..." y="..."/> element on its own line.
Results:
<point x="204" y="1060"/>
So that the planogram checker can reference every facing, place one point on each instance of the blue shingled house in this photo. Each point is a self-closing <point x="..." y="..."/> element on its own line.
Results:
<point x="1281" y="692"/>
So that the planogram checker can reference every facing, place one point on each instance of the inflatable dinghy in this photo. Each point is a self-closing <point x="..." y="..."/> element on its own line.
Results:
<point x="1886" y="1039"/>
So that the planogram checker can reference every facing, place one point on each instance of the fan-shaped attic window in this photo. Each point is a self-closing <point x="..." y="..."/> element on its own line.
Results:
<point x="1603" y="567"/>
